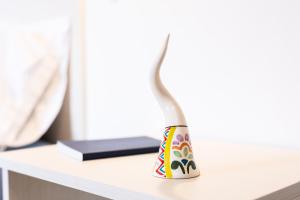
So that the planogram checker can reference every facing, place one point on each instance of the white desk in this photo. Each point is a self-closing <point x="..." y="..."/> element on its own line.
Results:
<point x="228" y="171"/>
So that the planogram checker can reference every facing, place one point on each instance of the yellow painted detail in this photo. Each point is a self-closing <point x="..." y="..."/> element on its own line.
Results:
<point x="167" y="152"/>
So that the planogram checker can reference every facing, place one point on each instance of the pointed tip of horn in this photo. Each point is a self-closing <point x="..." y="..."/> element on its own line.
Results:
<point x="168" y="38"/>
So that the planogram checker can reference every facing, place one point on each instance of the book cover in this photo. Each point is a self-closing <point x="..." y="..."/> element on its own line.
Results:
<point x="95" y="149"/>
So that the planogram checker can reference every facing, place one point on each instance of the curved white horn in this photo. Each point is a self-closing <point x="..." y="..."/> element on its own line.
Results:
<point x="171" y="109"/>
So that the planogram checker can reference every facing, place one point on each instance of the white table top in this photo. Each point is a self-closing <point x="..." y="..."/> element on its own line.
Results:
<point x="228" y="171"/>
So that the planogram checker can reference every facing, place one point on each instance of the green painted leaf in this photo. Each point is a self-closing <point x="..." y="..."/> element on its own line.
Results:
<point x="185" y="151"/>
<point x="190" y="156"/>
<point x="177" y="154"/>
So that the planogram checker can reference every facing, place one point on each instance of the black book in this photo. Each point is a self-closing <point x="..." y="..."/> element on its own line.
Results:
<point x="94" y="149"/>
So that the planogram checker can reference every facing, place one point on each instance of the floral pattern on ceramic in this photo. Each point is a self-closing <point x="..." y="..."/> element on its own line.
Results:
<point x="175" y="159"/>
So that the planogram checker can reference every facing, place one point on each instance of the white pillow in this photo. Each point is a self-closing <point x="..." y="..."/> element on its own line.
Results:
<point x="33" y="78"/>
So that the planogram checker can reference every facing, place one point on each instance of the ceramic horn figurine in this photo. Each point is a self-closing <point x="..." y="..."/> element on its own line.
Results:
<point x="175" y="159"/>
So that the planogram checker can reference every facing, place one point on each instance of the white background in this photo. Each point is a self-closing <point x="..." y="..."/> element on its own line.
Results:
<point x="233" y="66"/>
<point x="30" y="10"/>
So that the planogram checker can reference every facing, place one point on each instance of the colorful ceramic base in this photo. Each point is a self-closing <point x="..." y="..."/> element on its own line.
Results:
<point x="175" y="159"/>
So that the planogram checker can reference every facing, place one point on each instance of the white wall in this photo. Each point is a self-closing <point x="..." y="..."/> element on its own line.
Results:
<point x="233" y="65"/>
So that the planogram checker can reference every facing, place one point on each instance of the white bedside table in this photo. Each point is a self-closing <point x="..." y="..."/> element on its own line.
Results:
<point x="228" y="171"/>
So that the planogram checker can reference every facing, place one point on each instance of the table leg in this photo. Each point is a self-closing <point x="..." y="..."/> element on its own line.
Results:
<point x="5" y="184"/>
